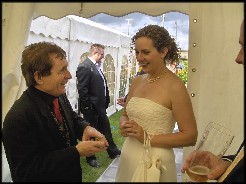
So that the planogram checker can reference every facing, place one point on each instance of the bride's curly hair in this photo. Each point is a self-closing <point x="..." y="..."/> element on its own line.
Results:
<point x="161" y="39"/>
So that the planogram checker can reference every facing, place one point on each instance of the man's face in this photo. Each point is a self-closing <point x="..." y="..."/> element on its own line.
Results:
<point x="100" y="55"/>
<point x="55" y="83"/>
<point x="240" y="56"/>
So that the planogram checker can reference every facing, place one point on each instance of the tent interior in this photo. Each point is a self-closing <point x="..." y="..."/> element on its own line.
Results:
<point x="75" y="39"/>
<point x="214" y="80"/>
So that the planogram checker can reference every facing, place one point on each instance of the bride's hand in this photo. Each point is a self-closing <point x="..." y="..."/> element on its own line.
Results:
<point x="131" y="128"/>
<point x="125" y="128"/>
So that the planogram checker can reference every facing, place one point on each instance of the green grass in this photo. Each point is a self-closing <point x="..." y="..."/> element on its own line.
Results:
<point x="91" y="174"/>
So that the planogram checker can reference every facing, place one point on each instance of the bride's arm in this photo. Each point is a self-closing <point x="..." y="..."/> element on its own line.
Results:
<point x="125" y="125"/>
<point x="184" y="116"/>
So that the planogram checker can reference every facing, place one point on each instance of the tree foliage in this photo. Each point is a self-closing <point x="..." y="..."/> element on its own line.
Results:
<point x="184" y="72"/>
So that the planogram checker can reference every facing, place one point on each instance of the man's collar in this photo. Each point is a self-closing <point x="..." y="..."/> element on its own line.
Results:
<point x="92" y="60"/>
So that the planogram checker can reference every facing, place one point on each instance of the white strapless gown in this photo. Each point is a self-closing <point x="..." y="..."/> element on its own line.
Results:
<point x="154" y="119"/>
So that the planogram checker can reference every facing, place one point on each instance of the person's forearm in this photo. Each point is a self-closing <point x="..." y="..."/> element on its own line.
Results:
<point x="173" y="140"/>
<point x="80" y="124"/>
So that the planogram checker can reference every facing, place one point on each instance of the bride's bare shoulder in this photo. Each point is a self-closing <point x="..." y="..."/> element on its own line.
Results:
<point x="174" y="81"/>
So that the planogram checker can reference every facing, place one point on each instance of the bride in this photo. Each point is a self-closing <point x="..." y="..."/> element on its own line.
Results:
<point x="156" y="100"/>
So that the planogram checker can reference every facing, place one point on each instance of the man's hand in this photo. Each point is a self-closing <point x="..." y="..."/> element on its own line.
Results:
<point x="91" y="132"/>
<point x="217" y="166"/>
<point x="88" y="148"/>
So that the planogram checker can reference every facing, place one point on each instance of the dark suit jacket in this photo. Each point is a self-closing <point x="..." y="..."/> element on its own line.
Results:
<point x="237" y="174"/>
<point x="35" y="150"/>
<point x="91" y="88"/>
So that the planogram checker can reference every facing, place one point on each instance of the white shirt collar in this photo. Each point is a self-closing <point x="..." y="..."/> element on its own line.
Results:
<point x="92" y="60"/>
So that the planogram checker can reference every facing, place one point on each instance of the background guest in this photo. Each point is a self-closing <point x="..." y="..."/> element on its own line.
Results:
<point x="94" y="98"/>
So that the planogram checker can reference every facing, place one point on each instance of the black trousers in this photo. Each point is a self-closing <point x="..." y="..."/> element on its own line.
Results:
<point x="102" y="124"/>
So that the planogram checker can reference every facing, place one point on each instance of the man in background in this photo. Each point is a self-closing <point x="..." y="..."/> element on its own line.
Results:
<point x="94" y="98"/>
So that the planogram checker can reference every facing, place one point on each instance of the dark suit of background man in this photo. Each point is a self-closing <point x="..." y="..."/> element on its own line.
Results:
<point x="94" y="98"/>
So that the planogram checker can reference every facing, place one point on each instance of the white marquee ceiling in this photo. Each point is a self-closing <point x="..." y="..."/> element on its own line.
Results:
<point x="115" y="9"/>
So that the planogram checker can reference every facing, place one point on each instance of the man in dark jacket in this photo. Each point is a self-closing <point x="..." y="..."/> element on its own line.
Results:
<point x="229" y="168"/>
<point x="94" y="98"/>
<point x="41" y="145"/>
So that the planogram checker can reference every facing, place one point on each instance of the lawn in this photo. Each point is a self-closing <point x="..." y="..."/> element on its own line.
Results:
<point x="91" y="174"/>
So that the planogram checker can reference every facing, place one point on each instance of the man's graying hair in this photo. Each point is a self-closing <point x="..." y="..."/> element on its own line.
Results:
<point x="36" y="57"/>
<point x="95" y="48"/>
<point x="161" y="39"/>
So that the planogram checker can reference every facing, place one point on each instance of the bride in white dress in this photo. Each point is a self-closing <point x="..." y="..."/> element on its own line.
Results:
<point x="156" y="100"/>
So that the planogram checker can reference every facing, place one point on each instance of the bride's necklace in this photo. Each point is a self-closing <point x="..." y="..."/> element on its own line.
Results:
<point x="151" y="80"/>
